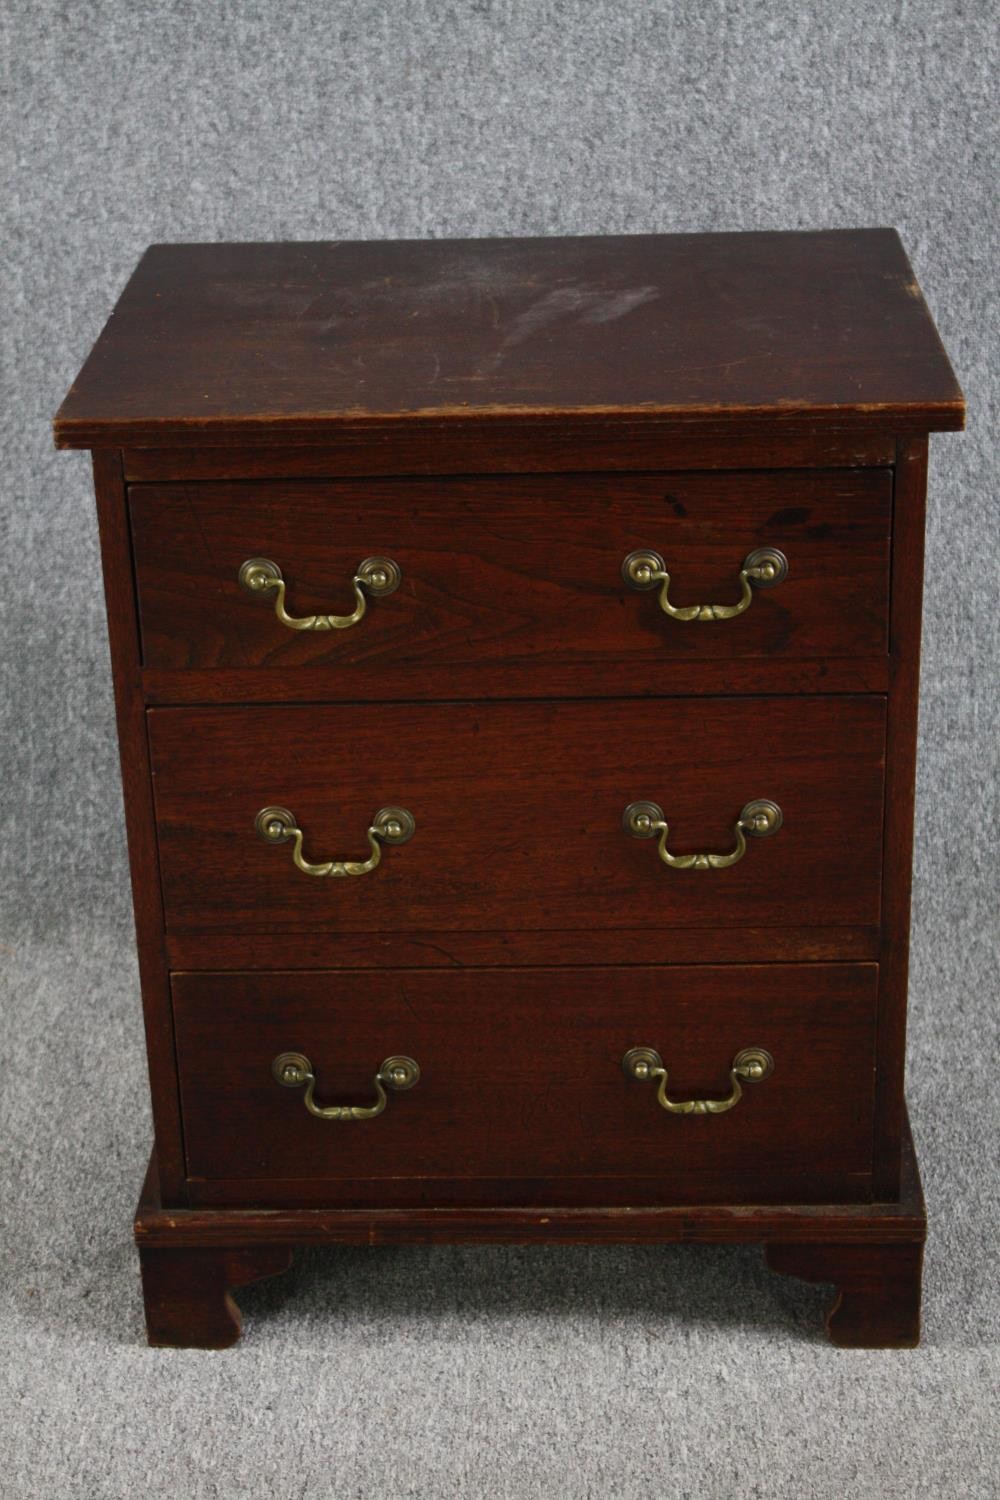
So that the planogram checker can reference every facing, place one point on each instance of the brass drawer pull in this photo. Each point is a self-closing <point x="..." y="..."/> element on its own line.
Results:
<point x="751" y="1065"/>
<point x="759" y="819"/>
<point x="376" y="576"/>
<point x="292" y="1070"/>
<point x="390" y="825"/>
<point x="762" y="568"/>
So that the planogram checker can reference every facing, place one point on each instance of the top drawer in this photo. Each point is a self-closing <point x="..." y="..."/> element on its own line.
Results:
<point x="519" y="572"/>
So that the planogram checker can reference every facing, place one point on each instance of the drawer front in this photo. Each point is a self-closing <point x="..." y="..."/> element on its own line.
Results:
<point x="511" y="571"/>
<point x="522" y="1095"/>
<point x="518" y="812"/>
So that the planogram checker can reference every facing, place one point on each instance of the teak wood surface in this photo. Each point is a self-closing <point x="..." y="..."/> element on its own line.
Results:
<point x="511" y="417"/>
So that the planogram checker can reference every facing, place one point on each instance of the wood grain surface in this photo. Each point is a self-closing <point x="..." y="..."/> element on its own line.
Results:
<point x="517" y="572"/>
<point x="506" y="420"/>
<point x="518" y="812"/>
<point x="481" y="949"/>
<point x="140" y="824"/>
<point x="522" y="1081"/>
<point x="485" y="446"/>
<point x="268" y="343"/>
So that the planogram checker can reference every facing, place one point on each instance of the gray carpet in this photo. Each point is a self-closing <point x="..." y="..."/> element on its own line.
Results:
<point x="410" y="1372"/>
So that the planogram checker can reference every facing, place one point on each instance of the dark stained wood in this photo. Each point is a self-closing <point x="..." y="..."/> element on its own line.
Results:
<point x="747" y="676"/>
<point x="502" y="448"/>
<point x="267" y="343"/>
<point x="510" y="417"/>
<point x="548" y="1224"/>
<point x="522" y="571"/>
<point x="877" y="1302"/>
<point x="877" y="1290"/>
<point x="522" y="1081"/>
<point x="518" y="812"/>
<point x="898" y="1221"/>
<point x="901" y="764"/>
<point x="187" y="1291"/>
<point x="793" y="1183"/>
<point x="461" y="950"/>
<point x="140" y="824"/>
<point x="528" y="1194"/>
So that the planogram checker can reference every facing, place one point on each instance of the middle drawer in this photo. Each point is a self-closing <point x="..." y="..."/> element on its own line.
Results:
<point x="518" y="814"/>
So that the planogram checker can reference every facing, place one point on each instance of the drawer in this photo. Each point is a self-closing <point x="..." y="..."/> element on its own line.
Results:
<point x="518" y="812"/>
<point x="522" y="1095"/>
<point x="513" y="571"/>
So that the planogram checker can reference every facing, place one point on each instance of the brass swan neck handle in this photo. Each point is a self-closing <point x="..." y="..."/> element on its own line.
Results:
<point x="376" y="576"/>
<point x="293" y="1069"/>
<point x="762" y="568"/>
<point x="390" y="825"/>
<point x="758" y="820"/>
<point x="750" y="1065"/>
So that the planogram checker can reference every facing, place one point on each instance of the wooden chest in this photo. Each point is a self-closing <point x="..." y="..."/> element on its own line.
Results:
<point x="516" y="654"/>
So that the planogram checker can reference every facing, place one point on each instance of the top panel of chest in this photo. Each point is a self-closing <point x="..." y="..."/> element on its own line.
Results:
<point x="266" y="344"/>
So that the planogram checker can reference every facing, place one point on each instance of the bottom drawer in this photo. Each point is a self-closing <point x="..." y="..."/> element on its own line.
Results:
<point x="522" y="1097"/>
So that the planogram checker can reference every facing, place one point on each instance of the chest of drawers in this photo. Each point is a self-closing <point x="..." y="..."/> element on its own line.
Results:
<point x="515" y="648"/>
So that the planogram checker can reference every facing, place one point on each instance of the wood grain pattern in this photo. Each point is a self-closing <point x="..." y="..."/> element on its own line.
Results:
<point x="523" y="571"/>
<point x="522" y="1081"/>
<point x="575" y="948"/>
<point x="901" y="1220"/>
<point x="518" y="813"/>
<point x="411" y="681"/>
<point x="497" y="447"/>
<point x="546" y="1224"/>
<point x="186" y="1291"/>
<point x="872" y="1252"/>
<point x="793" y="1183"/>
<point x="123" y="640"/>
<point x="878" y="1289"/>
<point x="508" y="419"/>
<point x="901" y="768"/>
<point x="755" y="327"/>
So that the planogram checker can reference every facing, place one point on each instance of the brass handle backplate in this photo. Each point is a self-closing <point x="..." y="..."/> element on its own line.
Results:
<point x="293" y="1069"/>
<point x="762" y="568"/>
<point x="751" y="1065"/>
<point x="376" y="576"/>
<point x="758" y="820"/>
<point x="390" y="825"/>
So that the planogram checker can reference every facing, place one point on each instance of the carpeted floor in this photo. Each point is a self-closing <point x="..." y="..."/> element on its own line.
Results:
<point x="679" y="1372"/>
